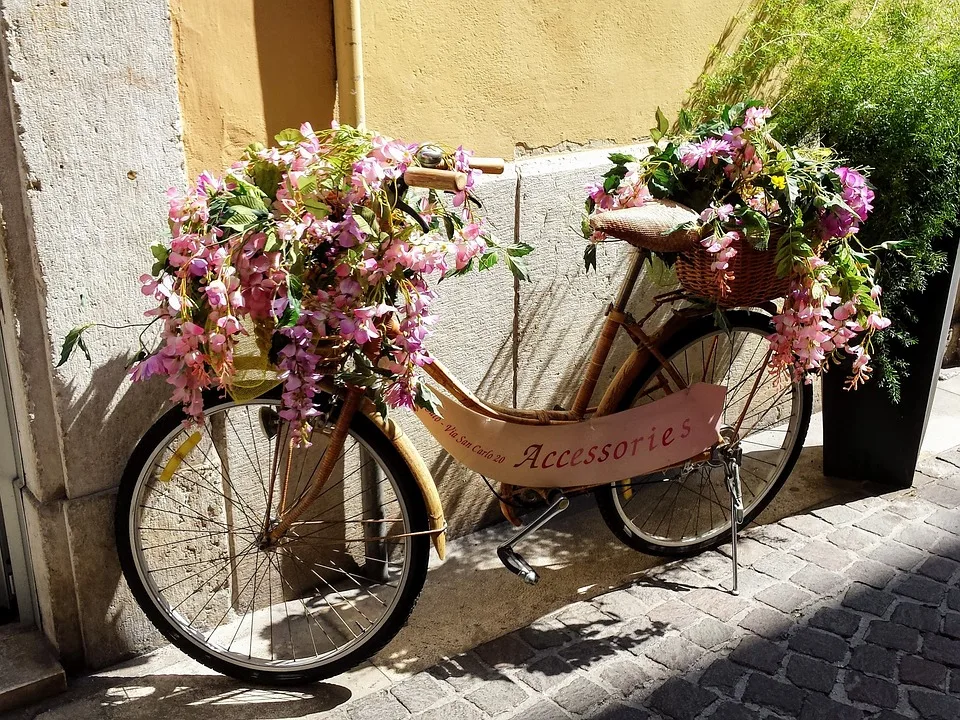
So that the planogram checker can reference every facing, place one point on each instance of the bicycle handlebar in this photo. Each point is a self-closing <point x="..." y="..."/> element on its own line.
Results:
<point x="450" y="180"/>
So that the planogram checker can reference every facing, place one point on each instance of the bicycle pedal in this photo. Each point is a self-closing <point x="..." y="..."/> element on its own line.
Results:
<point x="514" y="562"/>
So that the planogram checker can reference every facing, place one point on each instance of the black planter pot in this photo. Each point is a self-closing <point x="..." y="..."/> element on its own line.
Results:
<point x="866" y="436"/>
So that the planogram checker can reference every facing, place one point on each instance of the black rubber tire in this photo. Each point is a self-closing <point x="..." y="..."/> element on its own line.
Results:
<point x="419" y="556"/>
<point x="605" y="494"/>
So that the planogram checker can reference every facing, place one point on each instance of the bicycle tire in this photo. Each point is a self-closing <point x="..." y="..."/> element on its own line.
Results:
<point x="608" y="497"/>
<point x="417" y="549"/>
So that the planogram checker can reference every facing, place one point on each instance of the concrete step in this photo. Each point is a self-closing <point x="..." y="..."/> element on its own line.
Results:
<point x="29" y="670"/>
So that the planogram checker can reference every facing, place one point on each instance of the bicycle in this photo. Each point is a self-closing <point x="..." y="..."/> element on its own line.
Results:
<point x="282" y="566"/>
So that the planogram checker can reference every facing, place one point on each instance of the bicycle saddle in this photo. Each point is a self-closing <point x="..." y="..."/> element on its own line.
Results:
<point x="649" y="226"/>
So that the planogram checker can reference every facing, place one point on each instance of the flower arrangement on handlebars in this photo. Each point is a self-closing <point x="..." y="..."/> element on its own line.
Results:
<point x="312" y="248"/>
<point x="799" y="202"/>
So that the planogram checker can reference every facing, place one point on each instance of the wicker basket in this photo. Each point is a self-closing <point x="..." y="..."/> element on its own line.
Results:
<point x="754" y="282"/>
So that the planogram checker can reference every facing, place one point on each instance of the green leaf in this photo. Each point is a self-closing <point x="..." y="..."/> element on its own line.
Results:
<point x="307" y="184"/>
<point x="590" y="257"/>
<point x="520" y="249"/>
<point x="241" y="218"/>
<point x="316" y="208"/>
<point x="160" y="252"/>
<point x="425" y="398"/>
<point x="487" y="260"/>
<point x="661" y="273"/>
<point x="611" y="183"/>
<point x="290" y="136"/>
<point x="621" y="158"/>
<point x="663" y="125"/>
<point x="517" y="267"/>
<point x="365" y="225"/>
<point x="249" y="201"/>
<point x="74" y="339"/>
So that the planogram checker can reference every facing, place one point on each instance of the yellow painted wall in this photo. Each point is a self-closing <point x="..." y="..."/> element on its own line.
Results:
<point x="505" y="77"/>
<point x="248" y="69"/>
<point x="498" y="74"/>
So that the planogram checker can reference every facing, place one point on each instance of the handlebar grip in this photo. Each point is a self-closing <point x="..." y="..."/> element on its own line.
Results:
<point x="448" y="180"/>
<point x="489" y="166"/>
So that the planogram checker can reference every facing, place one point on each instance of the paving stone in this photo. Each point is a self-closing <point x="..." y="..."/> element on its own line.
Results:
<point x="420" y="692"/>
<point x="948" y="520"/>
<point x="637" y="635"/>
<point x="927" y="591"/>
<point x="866" y="504"/>
<point x="763" y="690"/>
<point x="649" y="594"/>
<point x="627" y="676"/>
<point x="888" y="715"/>
<point x="732" y="711"/>
<point x="545" y="673"/>
<point x="948" y="547"/>
<point x="840" y="622"/>
<point x="820" y="707"/>
<point x="505" y="651"/>
<point x="874" y="660"/>
<point x="758" y="654"/>
<point x="917" y="671"/>
<point x="544" y="634"/>
<point x="870" y="690"/>
<point x="674" y="614"/>
<point x="498" y="696"/>
<point x="911" y="508"/>
<point x="708" y="633"/>
<point x="919" y="535"/>
<point x="676" y="653"/>
<point x="588" y="653"/>
<point x="866" y="599"/>
<point x="779" y="565"/>
<point x="896" y="555"/>
<point x="880" y="523"/>
<point x="837" y="514"/>
<point x="620" y="604"/>
<point x="778" y="537"/>
<point x="767" y="622"/>
<point x="819" y="581"/>
<point x="851" y="538"/>
<point x="935" y="467"/>
<point x="807" y="525"/>
<point x="719" y="603"/>
<point x="893" y="635"/>
<point x="457" y="710"/>
<point x="785" y="597"/>
<point x="616" y="711"/>
<point x="677" y="577"/>
<point x="951" y="625"/>
<point x="723" y="674"/>
<point x="818" y="644"/>
<point x="751" y="583"/>
<point x="579" y="696"/>
<point x="916" y="616"/>
<point x="581" y="615"/>
<point x="947" y="497"/>
<point x="711" y="565"/>
<point x="824" y="554"/>
<point x="681" y="700"/>
<point x="941" y="649"/>
<point x="870" y="572"/>
<point x="955" y="682"/>
<point x="938" y="568"/>
<point x="749" y="551"/>
<point x="953" y="599"/>
<point x="542" y="710"/>
<point x="376" y="706"/>
<point x="810" y="673"/>
<point x="463" y="671"/>
<point x="935" y="706"/>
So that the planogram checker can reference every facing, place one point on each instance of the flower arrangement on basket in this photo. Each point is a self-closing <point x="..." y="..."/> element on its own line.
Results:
<point x="762" y="221"/>
<point x="311" y="249"/>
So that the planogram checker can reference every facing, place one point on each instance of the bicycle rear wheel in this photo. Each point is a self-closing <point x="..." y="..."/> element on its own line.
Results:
<point x="191" y="510"/>
<point x="686" y="510"/>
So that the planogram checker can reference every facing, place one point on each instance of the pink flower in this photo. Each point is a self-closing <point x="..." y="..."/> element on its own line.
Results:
<point x="756" y="117"/>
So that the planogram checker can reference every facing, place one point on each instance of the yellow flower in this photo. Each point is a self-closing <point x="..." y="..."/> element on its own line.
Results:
<point x="778" y="181"/>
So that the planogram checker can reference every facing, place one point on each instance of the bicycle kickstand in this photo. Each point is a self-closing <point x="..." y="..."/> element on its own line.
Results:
<point x="513" y="560"/>
<point x="732" y="457"/>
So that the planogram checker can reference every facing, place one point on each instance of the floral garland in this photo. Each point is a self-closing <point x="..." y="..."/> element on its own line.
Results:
<point x="749" y="188"/>
<point x="311" y="247"/>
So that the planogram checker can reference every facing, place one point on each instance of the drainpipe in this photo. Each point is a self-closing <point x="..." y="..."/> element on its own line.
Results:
<point x="349" y="56"/>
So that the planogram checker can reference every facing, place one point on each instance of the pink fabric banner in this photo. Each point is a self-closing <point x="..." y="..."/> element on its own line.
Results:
<point x="601" y="450"/>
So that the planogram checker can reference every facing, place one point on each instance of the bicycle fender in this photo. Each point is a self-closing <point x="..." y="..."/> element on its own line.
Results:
<point x="421" y="473"/>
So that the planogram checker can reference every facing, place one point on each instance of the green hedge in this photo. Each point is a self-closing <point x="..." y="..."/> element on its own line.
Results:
<point x="880" y="82"/>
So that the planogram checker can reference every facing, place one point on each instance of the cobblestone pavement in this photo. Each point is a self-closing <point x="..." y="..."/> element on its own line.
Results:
<point x="848" y="612"/>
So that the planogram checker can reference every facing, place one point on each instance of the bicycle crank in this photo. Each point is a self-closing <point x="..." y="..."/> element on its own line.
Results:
<point x="511" y="559"/>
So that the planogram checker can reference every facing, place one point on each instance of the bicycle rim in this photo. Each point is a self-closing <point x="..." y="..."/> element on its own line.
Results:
<point x="690" y="506"/>
<point x="195" y="537"/>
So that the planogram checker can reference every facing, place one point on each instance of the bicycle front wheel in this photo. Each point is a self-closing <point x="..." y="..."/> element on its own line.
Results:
<point x="191" y="513"/>
<point x="686" y="510"/>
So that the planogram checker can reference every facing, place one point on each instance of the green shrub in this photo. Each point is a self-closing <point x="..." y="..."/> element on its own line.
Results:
<point x="880" y="82"/>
